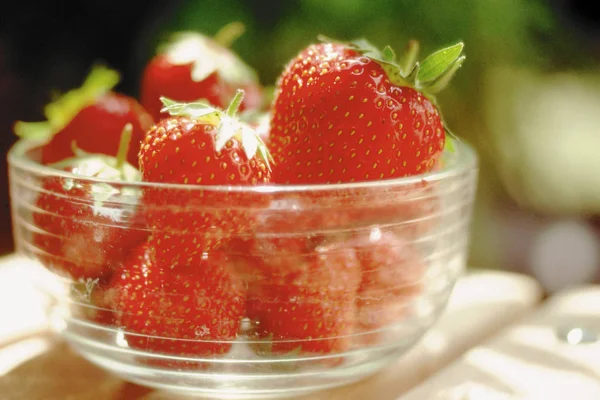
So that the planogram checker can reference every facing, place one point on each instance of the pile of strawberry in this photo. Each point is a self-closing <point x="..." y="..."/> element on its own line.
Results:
<point x="180" y="266"/>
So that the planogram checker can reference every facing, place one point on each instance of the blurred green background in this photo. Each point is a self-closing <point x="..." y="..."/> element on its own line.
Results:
<point x="528" y="96"/>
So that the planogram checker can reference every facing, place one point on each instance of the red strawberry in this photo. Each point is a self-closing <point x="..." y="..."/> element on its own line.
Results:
<point x="92" y="116"/>
<point x="132" y="290"/>
<point x="309" y="307"/>
<point x="260" y="258"/>
<point x="333" y="214"/>
<point x="85" y="228"/>
<point x="193" y="67"/>
<point x="411" y="210"/>
<point x="300" y="215"/>
<point x="284" y="233"/>
<point x="392" y="273"/>
<point x="188" y="312"/>
<point x="347" y="113"/>
<point x="204" y="146"/>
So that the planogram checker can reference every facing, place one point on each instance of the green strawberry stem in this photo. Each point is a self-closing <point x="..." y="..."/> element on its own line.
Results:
<point x="229" y="33"/>
<point x="78" y="152"/>
<point x="124" y="146"/>
<point x="234" y="106"/>
<point x="410" y="57"/>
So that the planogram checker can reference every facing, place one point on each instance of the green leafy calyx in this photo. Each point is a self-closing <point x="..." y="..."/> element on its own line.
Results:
<point x="61" y="111"/>
<point x="228" y="126"/>
<point x="436" y="64"/>
<point x="428" y="76"/>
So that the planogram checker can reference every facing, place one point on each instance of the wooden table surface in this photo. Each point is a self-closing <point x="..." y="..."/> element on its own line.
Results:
<point x="34" y="364"/>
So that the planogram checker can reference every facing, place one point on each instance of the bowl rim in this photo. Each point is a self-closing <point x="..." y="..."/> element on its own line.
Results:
<point x="462" y="159"/>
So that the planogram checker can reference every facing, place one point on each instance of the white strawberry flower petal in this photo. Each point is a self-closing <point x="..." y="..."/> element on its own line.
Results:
<point x="186" y="48"/>
<point x="208" y="57"/>
<point x="228" y="129"/>
<point x="235" y="70"/>
<point x="191" y="48"/>
<point x="249" y="141"/>
<point x="202" y="69"/>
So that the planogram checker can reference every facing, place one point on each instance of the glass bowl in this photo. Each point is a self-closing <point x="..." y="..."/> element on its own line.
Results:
<point x="243" y="292"/>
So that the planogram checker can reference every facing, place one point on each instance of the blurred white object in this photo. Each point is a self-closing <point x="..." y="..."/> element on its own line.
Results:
<point x="23" y="308"/>
<point x="565" y="254"/>
<point x="545" y="137"/>
<point x="554" y="354"/>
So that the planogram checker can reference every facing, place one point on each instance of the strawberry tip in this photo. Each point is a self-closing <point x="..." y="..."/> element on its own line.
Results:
<point x="123" y="148"/>
<point x="235" y="103"/>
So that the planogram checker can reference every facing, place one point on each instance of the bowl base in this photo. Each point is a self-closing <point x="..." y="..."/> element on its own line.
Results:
<point x="244" y="386"/>
<point x="239" y="384"/>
